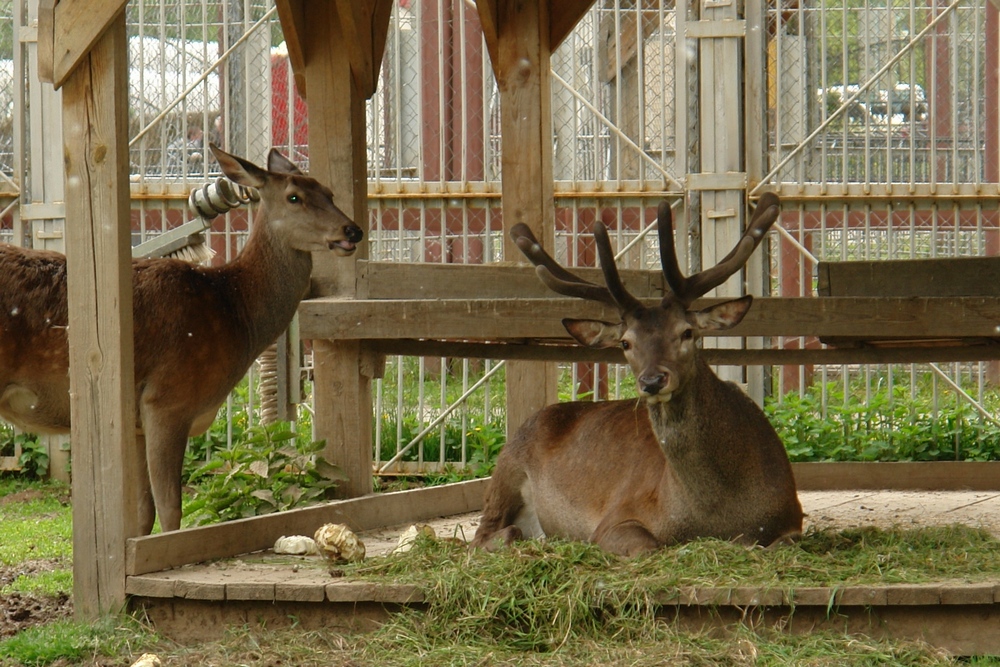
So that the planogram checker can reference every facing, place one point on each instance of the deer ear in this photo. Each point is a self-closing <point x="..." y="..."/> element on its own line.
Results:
<point x="723" y="316"/>
<point x="239" y="170"/>
<point x="594" y="333"/>
<point x="279" y="164"/>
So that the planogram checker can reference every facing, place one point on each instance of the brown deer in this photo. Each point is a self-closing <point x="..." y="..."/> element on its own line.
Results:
<point x="699" y="460"/>
<point x="197" y="329"/>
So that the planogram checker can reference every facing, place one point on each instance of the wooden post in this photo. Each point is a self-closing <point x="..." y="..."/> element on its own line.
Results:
<point x="337" y="156"/>
<point x="522" y="66"/>
<point x="106" y="464"/>
<point x="722" y="179"/>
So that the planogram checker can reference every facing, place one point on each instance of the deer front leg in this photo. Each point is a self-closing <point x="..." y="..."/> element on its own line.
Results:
<point x="166" y="439"/>
<point x="625" y="538"/>
<point x="142" y="498"/>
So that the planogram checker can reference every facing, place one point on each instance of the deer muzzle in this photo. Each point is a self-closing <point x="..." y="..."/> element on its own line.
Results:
<point x="656" y="387"/>
<point x="348" y="244"/>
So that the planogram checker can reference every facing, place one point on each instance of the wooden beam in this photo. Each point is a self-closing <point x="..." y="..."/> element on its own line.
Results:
<point x="945" y="276"/>
<point x="505" y="319"/>
<point x="107" y="468"/>
<point x="565" y="15"/>
<point x="195" y="545"/>
<point x="291" y="14"/>
<point x="355" y="31"/>
<point x="523" y="70"/>
<point x="68" y="30"/>
<point x="568" y="350"/>
<point x="490" y="24"/>
<point x="337" y="156"/>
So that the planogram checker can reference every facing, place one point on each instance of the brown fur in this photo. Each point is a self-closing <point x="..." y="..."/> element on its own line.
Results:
<point x="693" y="457"/>
<point x="197" y="329"/>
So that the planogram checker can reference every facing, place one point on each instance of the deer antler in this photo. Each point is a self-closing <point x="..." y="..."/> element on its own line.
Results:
<point x="690" y="288"/>
<point x="561" y="281"/>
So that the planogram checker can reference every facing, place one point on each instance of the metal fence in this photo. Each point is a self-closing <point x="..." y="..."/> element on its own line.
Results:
<point x="877" y="133"/>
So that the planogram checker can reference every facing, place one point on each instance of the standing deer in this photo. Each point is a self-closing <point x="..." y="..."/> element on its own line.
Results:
<point x="197" y="329"/>
<point x="701" y="460"/>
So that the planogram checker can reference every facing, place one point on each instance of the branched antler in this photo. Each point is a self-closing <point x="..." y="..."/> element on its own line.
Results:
<point x="690" y="288"/>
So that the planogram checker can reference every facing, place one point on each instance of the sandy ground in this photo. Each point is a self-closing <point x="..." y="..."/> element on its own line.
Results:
<point x="824" y="509"/>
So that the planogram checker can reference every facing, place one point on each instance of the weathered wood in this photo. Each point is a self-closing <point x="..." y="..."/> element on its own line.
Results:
<point x="337" y="157"/>
<point x="500" y="319"/>
<point x="952" y="276"/>
<point x="158" y="552"/>
<point x="523" y="71"/>
<point x="488" y="20"/>
<point x="364" y="26"/>
<point x="107" y="468"/>
<point x="570" y="350"/>
<point x="68" y="30"/>
<point x="909" y="476"/>
<point x="291" y="14"/>
<point x="565" y="15"/>
<point x="399" y="280"/>
<point x="344" y="415"/>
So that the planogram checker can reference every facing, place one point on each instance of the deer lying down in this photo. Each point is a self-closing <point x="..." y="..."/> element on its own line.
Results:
<point x="197" y="329"/>
<point x="693" y="457"/>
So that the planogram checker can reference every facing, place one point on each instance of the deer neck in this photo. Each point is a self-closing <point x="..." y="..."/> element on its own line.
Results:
<point x="267" y="281"/>
<point x="686" y="429"/>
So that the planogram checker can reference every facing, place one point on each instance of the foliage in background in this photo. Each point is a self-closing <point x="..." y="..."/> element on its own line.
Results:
<point x="269" y="469"/>
<point x="34" y="457"/>
<point x="882" y="425"/>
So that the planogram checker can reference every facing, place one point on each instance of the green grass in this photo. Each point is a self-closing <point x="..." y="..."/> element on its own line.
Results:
<point x="73" y="643"/>
<point x="40" y="527"/>
<point x="557" y="603"/>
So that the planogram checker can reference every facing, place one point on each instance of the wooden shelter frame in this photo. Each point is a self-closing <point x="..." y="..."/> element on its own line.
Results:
<point x="360" y="310"/>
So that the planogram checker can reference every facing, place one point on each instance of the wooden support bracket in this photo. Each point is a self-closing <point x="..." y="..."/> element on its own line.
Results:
<point x="67" y="31"/>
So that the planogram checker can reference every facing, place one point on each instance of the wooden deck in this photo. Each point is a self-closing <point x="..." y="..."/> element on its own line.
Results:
<point x="195" y="601"/>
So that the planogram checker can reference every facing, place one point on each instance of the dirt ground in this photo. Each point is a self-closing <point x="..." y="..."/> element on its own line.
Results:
<point x="824" y="509"/>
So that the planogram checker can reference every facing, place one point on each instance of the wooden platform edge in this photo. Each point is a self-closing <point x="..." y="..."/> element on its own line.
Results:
<point x="958" y="618"/>
<point x="233" y="538"/>
<point x="225" y="540"/>
<point x="898" y="476"/>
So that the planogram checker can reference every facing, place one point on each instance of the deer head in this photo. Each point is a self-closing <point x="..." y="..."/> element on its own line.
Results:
<point x="660" y="342"/>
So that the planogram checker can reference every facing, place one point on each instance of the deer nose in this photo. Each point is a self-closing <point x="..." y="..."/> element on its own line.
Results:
<point x="652" y="383"/>
<point x="353" y="233"/>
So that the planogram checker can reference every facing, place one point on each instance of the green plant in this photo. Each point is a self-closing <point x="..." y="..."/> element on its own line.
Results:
<point x="887" y="423"/>
<point x="268" y="470"/>
<point x="34" y="458"/>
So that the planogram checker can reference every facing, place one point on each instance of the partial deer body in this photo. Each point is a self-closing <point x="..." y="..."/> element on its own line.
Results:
<point x="197" y="329"/>
<point x="693" y="457"/>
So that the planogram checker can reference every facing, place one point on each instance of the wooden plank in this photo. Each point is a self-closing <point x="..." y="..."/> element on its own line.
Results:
<point x="952" y="276"/>
<point x="400" y="280"/>
<point x="569" y="350"/>
<point x="107" y="469"/>
<point x="159" y="552"/>
<point x="505" y="319"/>
<point x="76" y="26"/>
<point x="901" y="476"/>
<point x="343" y="387"/>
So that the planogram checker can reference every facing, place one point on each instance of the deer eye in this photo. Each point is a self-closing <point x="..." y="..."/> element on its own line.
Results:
<point x="626" y="345"/>
<point x="294" y="199"/>
<point x="687" y="334"/>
